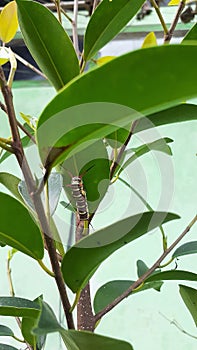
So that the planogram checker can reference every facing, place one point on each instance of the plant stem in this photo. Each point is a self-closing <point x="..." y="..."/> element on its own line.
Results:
<point x="32" y="189"/>
<point x="74" y="27"/>
<point x="142" y="279"/>
<point x="30" y="66"/>
<point x="169" y="34"/>
<point x="157" y="9"/>
<point x="85" y="317"/>
<point x="45" y="268"/>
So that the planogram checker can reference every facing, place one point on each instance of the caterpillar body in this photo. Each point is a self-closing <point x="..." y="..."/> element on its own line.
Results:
<point x="79" y="195"/>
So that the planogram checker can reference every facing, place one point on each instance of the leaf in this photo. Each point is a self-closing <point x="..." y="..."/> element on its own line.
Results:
<point x="4" y="55"/>
<point x="107" y="293"/>
<point x="92" y="165"/>
<point x="150" y="40"/>
<point x="174" y="3"/>
<point x="48" y="43"/>
<point x="106" y="22"/>
<point x="11" y="183"/>
<point x="181" y="113"/>
<point x="18" y="307"/>
<point x="185" y="249"/>
<point x="54" y="190"/>
<point x="173" y="275"/>
<point x="143" y="268"/>
<point x="6" y="347"/>
<point x="8" y="22"/>
<point x="102" y="60"/>
<point x="20" y="232"/>
<point x="86" y="256"/>
<point x="158" y="145"/>
<point x="5" y="331"/>
<point x="66" y="127"/>
<point x="191" y="36"/>
<point x="189" y="296"/>
<point x="89" y="341"/>
<point x="75" y="340"/>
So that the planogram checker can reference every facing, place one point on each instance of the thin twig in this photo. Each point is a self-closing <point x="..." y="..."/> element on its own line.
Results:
<point x="157" y="9"/>
<point x="38" y="205"/>
<point x="142" y="279"/>
<point x="169" y="34"/>
<point x="74" y="27"/>
<point x="30" y="66"/>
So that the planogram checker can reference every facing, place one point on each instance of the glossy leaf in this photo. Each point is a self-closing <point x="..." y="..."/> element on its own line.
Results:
<point x="173" y="275"/>
<point x="121" y="81"/>
<point x="54" y="190"/>
<point x="191" y="36"/>
<point x="89" y="341"/>
<point x="181" y="113"/>
<point x="86" y="256"/>
<point x="92" y="165"/>
<point x="150" y="40"/>
<point x="8" y="22"/>
<point x="18" y="307"/>
<point x="75" y="340"/>
<point x="21" y="232"/>
<point x="107" y="293"/>
<point x="189" y="296"/>
<point x="7" y="347"/>
<point x="158" y="145"/>
<point x="5" y="331"/>
<point x="106" y="22"/>
<point x="4" y="55"/>
<point x="48" y="43"/>
<point x="11" y="183"/>
<point x="186" y="249"/>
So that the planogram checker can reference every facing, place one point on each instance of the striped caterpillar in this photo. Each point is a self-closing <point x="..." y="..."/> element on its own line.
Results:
<point x="79" y="195"/>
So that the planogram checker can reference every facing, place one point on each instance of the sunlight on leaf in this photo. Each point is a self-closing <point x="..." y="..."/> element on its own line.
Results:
<point x="150" y="40"/>
<point x="8" y="22"/>
<point x="104" y="59"/>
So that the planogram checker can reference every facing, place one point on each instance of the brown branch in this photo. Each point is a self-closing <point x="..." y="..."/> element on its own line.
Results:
<point x="168" y="36"/>
<point x="121" y="152"/>
<point x="85" y="317"/>
<point x="143" y="278"/>
<point x="32" y="189"/>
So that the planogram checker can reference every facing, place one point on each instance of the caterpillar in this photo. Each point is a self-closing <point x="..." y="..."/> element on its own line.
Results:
<point x="79" y="195"/>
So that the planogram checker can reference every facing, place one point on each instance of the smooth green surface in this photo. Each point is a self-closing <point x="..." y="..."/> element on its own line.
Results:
<point x="7" y="347"/>
<point x="86" y="256"/>
<point x="48" y="43"/>
<point x="11" y="182"/>
<point x="106" y="22"/>
<point x="186" y="249"/>
<point x="120" y="81"/>
<point x="107" y="293"/>
<point x="5" y="331"/>
<point x="191" y="36"/>
<point x="189" y="296"/>
<point x="173" y="275"/>
<point x="18" y="307"/>
<point x="21" y="232"/>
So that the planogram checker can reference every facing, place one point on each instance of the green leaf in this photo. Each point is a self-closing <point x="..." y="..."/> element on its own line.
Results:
<point x="75" y="340"/>
<point x="121" y="82"/>
<point x="92" y="165"/>
<point x="181" y="113"/>
<point x="20" y="232"/>
<point x="11" y="183"/>
<point x="173" y="275"/>
<point x="89" y="341"/>
<point x="27" y="326"/>
<point x="106" y="22"/>
<point x="18" y="307"/>
<point x="107" y="293"/>
<point x="159" y="145"/>
<point x="191" y="36"/>
<point x="189" y="296"/>
<point x="5" y="331"/>
<point x="86" y="256"/>
<point x="185" y="249"/>
<point x="7" y="347"/>
<point x="48" y="42"/>
<point x="54" y="191"/>
<point x="143" y="268"/>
